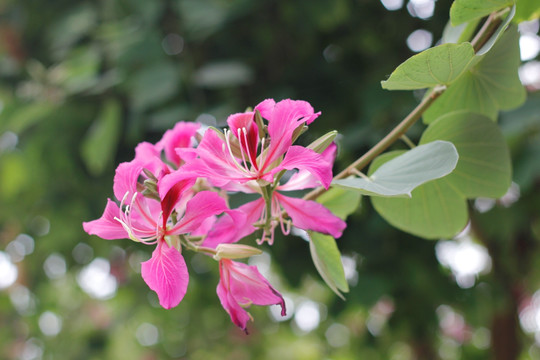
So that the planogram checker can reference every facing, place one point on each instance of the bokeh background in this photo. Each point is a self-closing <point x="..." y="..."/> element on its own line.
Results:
<point x="83" y="82"/>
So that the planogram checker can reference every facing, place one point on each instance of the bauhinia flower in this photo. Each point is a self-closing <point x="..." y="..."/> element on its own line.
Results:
<point x="251" y="157"/>
<point x="267" y="215"/>
<point x="246" y="153"/>
<point x="162" y="222"/>
<point x="242" y="285"/>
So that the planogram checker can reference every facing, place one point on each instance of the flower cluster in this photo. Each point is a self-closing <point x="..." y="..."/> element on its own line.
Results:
<point x="173" y="195"/>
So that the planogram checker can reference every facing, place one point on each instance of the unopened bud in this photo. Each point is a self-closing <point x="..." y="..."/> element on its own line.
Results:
<point x="235" y="251"/>
<point x="149" y="174"/>
<point x="298" y="131"/>
<point x="323" y="142"/>
<point x="260" y="124"/>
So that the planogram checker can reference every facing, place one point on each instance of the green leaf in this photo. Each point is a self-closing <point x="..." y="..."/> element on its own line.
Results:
<point x="484" y="168"/>
<point x="527" y="10"/>
<point x="99" y="145"/>
<point x="399" y="176"/>
<point x="340" y="202"/>
<point x="434" y="211"/>
<point x="489" y="86"/>
<point x="438" y="209"/>
<point x="466" y="10"/>
<point x="460" y="33"/>
<point x="15" y="175"/>
<point x="440" y="65"/>
<point x="154" y="84"/>
<point x="20" y="117"/>
<point x="327" y="260"/>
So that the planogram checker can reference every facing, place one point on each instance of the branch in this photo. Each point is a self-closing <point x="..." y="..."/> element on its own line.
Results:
<point x="483" y="35"/>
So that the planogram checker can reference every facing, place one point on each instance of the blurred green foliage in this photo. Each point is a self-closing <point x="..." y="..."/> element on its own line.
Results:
<point x="82" y="82"/>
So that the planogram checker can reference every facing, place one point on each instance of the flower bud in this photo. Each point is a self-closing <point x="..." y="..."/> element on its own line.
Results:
<point x="235" y="251"/>
<point x="323" y="142"/>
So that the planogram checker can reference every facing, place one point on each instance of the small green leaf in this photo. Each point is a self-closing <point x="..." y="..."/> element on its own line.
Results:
<point x="20" y="117"/>
<point x="99" y="145"/>
<point x="327" y="260"/>
<point x="466" y="10"/>
<point x="399" y="176"/>
<point x="440" y="65"/>
<point x="434" y="211"/>
<point x="340" y="202"/>
<point x="484" y="168"/>
<point x="489" y="86"/>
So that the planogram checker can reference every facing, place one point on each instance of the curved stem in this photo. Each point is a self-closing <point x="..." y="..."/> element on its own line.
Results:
<point x="483" y="35"/>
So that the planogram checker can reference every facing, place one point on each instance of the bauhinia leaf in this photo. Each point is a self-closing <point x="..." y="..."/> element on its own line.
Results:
<point x="434" y="211"/>
<point x="327" y="260"/>
<point x="490" y="85"/>
<point x="466" y="10"/>
<point x="99" y="145"/>
<point x="340" y="202"/>
<point x="399" y="176"/>
<point x="440" y="65"/>
<point x="484" y="168"/>
<point x="438" y="209"/>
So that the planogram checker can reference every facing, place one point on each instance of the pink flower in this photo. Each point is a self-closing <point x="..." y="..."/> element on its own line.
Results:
<point x="243" y="154"/>
<point x="150" y="221"/>
<point x="240" y="286"/>
<point x="175" y="147"/>
<point x="304" y="214"/>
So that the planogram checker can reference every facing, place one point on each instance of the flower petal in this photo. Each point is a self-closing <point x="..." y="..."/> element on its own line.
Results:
<point x="181" y="136"/>
<point x="286" y="116"/>
<point x="172" y="189"/>
<point x="107" y="227"/>
<point x="310" y="215"/>
<point x="266" y="108"/>
<point x="302" y="158"/>
<point x="229" y="228"/>
<point x="166" y="273"/>
<point x="125" y="178"/>
<point x="215" y="162"/>
<point x="200" y="207"/>
<point x="238" y="315"/>
<point x="238" y="123"/>
<point x="304" y="179"/>
<point x="248" y="286"/>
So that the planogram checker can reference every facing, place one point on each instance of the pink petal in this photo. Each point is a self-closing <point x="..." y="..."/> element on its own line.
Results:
<point x="172" y="189"/>
<point x="266" y="108"/>
<point x="310" y="215"/>
<point x="166" y="273"/>
<point x="249" y="141"/>
<point x="229" y="228"/>
<point x="215" y="162"/>
<point x="181" y="136"/>
<point x="200" y="207"/>
<point x="106" y="227"/>
<point x="302" y="158"/>
<point x="125" y="179"/>
<point x="285" y="118"/>
<point x="304" y="179"/>
<point x="238" y="315"/>
<point x="248" y="286"/>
